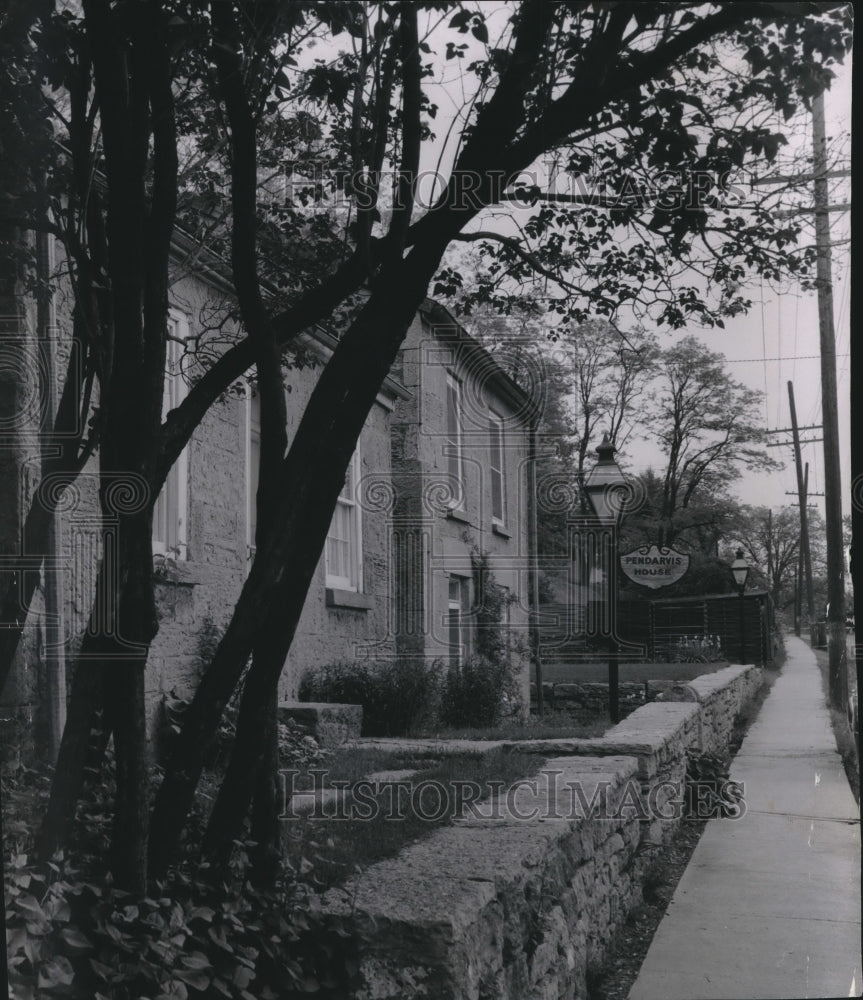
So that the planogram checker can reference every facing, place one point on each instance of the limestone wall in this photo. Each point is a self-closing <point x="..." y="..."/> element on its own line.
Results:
<point x="721" y="696"/>
<point x="520" y="899"/>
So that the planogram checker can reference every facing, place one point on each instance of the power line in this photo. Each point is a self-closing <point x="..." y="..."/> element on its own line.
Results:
<point x="790" y="430"/>
<point x="782" y="444"/>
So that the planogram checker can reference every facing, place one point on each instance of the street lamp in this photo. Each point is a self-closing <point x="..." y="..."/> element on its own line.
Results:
<point x="740" y="572"/>
<point x="607" y="489"/>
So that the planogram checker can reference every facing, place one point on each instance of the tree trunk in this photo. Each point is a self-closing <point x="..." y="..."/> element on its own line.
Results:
<point x="124" y="704"/>
<point x="124" y="696"/>
<point x="311" y="479"/>
<point x="84" y="703"/>
<point x="265" y="829"/>
<point x="108" y="677"/>
<point x="262" y="769"/>
<point x="252" y="770"/>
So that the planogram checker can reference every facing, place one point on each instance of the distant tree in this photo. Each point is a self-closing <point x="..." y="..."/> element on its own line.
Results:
<point x="703" y="525"/>
<point x="612" y="370"/>
<point x="700" y="527"/>
<point x="771" y="538"/>
<point x="587" y="378"/>
<point x="707" y="425"/>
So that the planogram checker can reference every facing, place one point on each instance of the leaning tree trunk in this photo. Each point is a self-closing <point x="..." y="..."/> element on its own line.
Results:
<point x="108" y="678"/>
<point x="265" y="817"/>
<point x="310" y="481"/>
<point x="84" y="705"/>
<point x="252" y="772"/>
<point x="243" y="125"/>
<point x="125" y="713"/>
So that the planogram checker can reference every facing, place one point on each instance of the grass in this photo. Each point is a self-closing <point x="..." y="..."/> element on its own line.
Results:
<point x="337" y="847"/>
<point x="588" y="673"/>
<point x="352" y="764"/>
<point x="551" y="726"/>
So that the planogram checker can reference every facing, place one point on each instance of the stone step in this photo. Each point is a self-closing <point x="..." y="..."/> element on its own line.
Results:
<point x="330" y="724"/>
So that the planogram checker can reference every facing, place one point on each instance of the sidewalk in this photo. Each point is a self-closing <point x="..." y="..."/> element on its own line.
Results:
<point x="769" y="905"/>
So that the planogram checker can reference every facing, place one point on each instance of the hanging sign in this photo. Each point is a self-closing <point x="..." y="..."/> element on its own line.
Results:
<point x="654" y="567"/>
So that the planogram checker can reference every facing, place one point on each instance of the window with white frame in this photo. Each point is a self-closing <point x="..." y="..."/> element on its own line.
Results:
<point x="344" y="547"/>
<point x="458" y="607"/>
<point x="169" y="511"/>
<point x="453" y="444"/>
<point x="496" y="469"/>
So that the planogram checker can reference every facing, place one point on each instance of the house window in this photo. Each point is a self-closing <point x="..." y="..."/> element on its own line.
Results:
<point x="458" y="606"/>
<point x="453" y="441"/>
<point x="169" y="511"/>
<point x="344" y="539"/>
<point x="253" y="458"/>
<point x="496" y="467"/>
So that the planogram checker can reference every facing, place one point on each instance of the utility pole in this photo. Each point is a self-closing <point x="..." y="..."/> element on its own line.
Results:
<point x="838" y="681"/>
<point x="770" y="567"/>
<point x="798" y="583"/>
<point x="802" y="499"/>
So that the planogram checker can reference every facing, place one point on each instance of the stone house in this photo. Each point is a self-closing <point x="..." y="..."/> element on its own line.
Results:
<point x="462" y="464"/>
<point x="440" y="472"/>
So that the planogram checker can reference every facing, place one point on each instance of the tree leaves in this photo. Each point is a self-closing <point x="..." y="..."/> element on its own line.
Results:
<point x="55" y="973"/>
<point x="473" y="21"/>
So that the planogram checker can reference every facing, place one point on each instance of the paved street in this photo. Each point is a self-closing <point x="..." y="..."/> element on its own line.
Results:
<point x="770" y="903"/>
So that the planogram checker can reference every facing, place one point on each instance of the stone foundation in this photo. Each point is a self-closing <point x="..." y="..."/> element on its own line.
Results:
<point x="330" y="724"/>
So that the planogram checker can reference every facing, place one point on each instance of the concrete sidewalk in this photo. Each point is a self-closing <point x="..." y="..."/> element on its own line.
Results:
<point x="769" y="905"/>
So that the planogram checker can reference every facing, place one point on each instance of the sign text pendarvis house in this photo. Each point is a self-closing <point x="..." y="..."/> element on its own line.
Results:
<point x="654" y="567"/>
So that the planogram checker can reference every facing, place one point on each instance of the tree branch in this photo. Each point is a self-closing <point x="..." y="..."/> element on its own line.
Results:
<point x="411" y="132"/>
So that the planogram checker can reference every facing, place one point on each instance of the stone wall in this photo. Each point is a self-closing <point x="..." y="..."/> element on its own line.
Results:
<point x="519" y="900"/>
<point x="585" y="700"/>
<point x="721" y="697"/>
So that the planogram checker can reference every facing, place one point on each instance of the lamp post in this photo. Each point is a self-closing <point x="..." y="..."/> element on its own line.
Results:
<point x="740" y="572"/>
<point x="606" y="488"/>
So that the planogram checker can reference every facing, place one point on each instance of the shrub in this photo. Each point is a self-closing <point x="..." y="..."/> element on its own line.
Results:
<point x="397" y="696"/>
<point x="697" y="649"/>
<point x="476" y="690"/>
<point x="72" y="933"/>
<point x="473" y="692"/>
